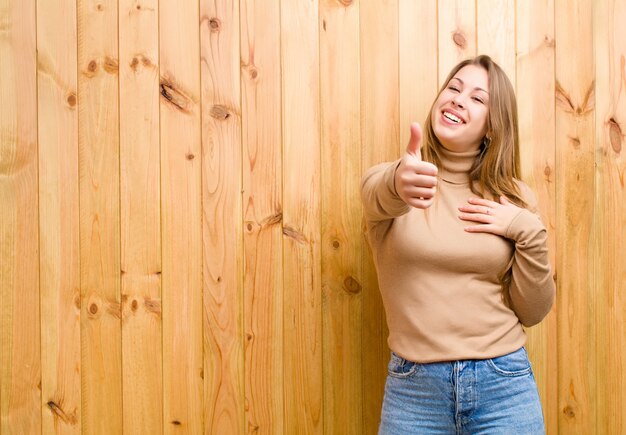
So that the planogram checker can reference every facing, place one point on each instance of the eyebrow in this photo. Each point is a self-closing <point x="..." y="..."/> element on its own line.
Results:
<point x="476" y="88"/>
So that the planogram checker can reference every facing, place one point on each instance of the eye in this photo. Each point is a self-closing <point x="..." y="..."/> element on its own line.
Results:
<point x="478" y="99"/>
<point x="453" y="88"/>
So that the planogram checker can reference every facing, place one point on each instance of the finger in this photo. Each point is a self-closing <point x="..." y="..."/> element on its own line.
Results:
<point x="482" y="201"/>
<point x="481" y="229"/>
<point x="420" y="203"/>
<point x="424" y="168"/>
<point x="413" y="148"/>
<point x="420" y="192"/>
<point x="476" y="217"/>
<point x="419" y="180"/>
<point x="477" y="209"/>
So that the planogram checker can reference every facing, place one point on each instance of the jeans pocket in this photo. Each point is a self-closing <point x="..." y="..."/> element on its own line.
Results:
<point x="512" y="364"/>
<point x="401" y="368"/>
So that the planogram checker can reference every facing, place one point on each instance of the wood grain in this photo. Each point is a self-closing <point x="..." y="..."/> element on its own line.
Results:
<point x="418" y="64"/>
<point x="342" y="245"/>
<point x="457" y="34"/>
<point x="380" y="120"/>
<point x="222" y="217"/>
<point x="610" y="216"/>
<point x="140" y="213"/>
<point x="57" y="124"/>
<point x="181" y="217"/>
<point x="20" y="359"/>
<point x="98" y="150"/>
<point x="263" y="216"/>
<point x="535" y="71"/>
<point x="301" y="217"/>
<point x="495" y="33"/>
<point x="575" y="111"/>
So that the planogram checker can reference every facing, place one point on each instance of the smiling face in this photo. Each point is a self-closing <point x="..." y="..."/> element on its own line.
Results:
<point x="459" y="115"/>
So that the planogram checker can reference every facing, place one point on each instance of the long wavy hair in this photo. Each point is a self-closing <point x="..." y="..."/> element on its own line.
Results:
<point x="497" y="164"/>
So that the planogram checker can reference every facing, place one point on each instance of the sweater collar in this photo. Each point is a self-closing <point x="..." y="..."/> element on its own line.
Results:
<point x="456" y="165"/>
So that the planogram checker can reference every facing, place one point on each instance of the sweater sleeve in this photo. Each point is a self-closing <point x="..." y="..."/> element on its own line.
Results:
<point x="378" y="193"/>
<point x="532" y="287"/>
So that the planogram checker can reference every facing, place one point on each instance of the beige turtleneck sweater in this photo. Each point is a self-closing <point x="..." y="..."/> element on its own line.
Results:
<point x="440" y="284"/>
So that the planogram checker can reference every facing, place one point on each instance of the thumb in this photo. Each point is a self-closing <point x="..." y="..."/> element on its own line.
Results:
<point x="413" y="148"/>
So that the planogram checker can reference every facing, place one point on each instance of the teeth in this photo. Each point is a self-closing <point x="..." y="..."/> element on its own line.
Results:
<point x="452" y="117"/>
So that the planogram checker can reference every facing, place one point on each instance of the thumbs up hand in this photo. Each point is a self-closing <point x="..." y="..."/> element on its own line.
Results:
<point x="416" y="180"/>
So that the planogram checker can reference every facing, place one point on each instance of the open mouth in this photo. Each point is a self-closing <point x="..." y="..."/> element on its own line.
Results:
<point x="452" y="117"/>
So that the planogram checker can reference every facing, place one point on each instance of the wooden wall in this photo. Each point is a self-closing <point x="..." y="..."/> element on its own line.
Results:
<point x="181" y="244"/>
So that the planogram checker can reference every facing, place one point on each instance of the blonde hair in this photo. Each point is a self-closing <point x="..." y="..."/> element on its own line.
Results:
<point x="497" y="165"/>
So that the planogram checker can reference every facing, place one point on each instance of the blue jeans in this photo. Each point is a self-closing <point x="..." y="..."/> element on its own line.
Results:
<point x="491" y="396"/>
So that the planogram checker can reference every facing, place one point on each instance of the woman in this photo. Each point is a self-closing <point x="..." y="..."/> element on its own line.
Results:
<point x="462" y="264"/>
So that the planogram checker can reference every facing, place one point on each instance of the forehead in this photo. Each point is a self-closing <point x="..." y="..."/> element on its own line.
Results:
<point x="474" y="76"/>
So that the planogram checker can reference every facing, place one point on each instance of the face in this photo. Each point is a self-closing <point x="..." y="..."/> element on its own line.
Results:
<point x="459" y="115"/>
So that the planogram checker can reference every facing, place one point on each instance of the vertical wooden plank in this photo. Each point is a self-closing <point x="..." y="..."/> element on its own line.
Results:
<point x="379" y="142"/>
<point x="610" y="216"/>
<point x="342" y="245"/>
<point x="59" y="217"/>
<point x="495" y="33"/>
<point x="98" y="148"/>
<point x="457" y="34"/>
<point x="222" y="217"/>
<point x="535" y="71"/>
<point x="140" y="217"/>
<point x="20" y="360"/>
<point x="418" y="63"/>
<point x="575" y="111"/>
<point x="263" y="212"/>
<point x="301" y="229"/>
<point x="181" y="214"/>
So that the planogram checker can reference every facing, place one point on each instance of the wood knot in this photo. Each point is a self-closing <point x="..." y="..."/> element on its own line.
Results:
<point x="176" y="97"/>
<point x="215" y="24"/>
<point x="153" y="306"/>
<point x="92" y="66"/>
<point x="615" y="135"/>
<point x="547" y="171"/>
<point x="138" y="7"/>
<point x="219" y="112"/>
<point x="575" y="141"/>
<point x="459" y="40"/>
<point x="110" y="65"/>
<point x="254" y="73"/>
<point x="134" y="305"/>
<point x="99" y="7"/>
<point x="335" y="244"/>
<point x="190" y="156"/>
<point x="93" y="308"/>
<point x="346" y="3"/>
<point x="249" y="226"/>
<point x="71" y="99"/>
<point x="351" y="285"/>
<point x="569" y="412"/>
<point x="134" y="63"/>
<point x="176" y="423"/>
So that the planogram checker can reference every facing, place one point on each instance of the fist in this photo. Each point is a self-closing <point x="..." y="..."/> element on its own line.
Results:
<point x="415" y="180"/>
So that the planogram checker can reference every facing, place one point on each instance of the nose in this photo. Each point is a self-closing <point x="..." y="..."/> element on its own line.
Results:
<point x="458" y="100"/>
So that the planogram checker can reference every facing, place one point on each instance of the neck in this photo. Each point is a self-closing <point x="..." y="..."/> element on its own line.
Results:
<point x="456" y="165"/>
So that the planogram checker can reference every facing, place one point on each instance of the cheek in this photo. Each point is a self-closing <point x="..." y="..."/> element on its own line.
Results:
<point x="482" y="116"/>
